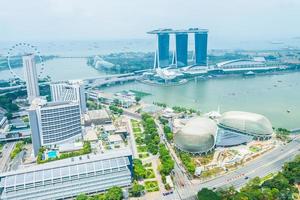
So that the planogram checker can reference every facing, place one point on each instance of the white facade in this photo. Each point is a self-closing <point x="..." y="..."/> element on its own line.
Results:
<point x="69" y="91"/>
<point x="54" y="123"/>
<point x="30" y="74"/>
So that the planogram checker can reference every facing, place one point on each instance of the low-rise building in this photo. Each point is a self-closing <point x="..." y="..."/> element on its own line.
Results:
<point x="89" y="174"/>
<point x="97" y="117"/>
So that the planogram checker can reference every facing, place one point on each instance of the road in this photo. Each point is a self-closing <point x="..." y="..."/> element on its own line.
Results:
<point x="4" y="161"/>
<point x="268" y="163"/>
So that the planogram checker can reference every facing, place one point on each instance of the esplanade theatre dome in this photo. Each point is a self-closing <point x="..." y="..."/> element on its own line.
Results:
<point x="197" y="135"/>
<point x="245" y="122"/>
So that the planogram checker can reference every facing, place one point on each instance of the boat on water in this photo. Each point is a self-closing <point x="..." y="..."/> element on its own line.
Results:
<point x="249" y="74"/>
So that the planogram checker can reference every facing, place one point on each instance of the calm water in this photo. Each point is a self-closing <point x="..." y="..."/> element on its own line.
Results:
<point x="61" y="69"/>
<point x="270" y="95"/>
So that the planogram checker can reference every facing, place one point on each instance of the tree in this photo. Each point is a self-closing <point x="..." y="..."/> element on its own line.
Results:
<point x="207" y="194"/>
<point x="139" y="170"/>
<point x="114" y="193"/>
<point x="138" y="99"/>
<point x="82" y="197"/>
<point x="137" y="189"/>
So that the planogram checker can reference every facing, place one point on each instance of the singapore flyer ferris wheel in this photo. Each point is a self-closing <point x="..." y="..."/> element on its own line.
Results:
<point x="14" y="59"/>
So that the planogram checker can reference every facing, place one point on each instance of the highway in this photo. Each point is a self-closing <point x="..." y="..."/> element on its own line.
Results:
<point x="4" y="160"/>
<point x="268" y="163"/>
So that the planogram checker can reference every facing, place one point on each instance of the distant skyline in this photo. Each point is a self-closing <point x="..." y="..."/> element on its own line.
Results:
<point x="233" y="21"/>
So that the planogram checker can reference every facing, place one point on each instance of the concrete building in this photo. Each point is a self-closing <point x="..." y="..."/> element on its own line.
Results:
<point x="53" y="123"/>
<point x="97" y="117"/>
<point x="69" y="91"/>
<point x="89" y="174"/>
<point x="163" y="50"/>
<point x="31" y="78"/>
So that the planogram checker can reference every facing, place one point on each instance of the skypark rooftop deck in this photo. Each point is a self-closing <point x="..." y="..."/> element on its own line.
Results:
<point x="171" y="31"/>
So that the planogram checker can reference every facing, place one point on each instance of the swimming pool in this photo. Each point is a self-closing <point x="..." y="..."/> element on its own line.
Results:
<point x="52" y="154"/>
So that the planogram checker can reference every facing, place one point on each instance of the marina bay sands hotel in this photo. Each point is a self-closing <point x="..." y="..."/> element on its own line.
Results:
<point x="180" y="55"/>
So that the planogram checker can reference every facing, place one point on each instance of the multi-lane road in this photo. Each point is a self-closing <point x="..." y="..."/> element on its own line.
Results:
<point x="268" y="163"/>
<point x="4" y="160"/>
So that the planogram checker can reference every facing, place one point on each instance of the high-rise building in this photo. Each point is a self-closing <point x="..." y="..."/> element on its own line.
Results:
<point x="181" y="49"/>
<point x="163" y="50"/>
<point x="53" y="123"/>
<point x="69" y="91"/>
<point x="30" y="74"/>
<point x="201" y="48"/>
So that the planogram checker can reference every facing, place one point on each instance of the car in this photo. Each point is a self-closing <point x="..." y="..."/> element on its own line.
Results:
<point x="246" y="177"/>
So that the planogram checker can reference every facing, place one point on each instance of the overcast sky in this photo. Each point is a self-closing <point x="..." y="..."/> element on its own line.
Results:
<point x="229" y="20"/>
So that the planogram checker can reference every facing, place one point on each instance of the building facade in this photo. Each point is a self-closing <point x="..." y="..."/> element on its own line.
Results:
<point x="69" y="91"/>
<point x="201" y="48"/>
<point x="68" y="178"/>
<point x="31" y="78"/>
<point x="53" y="123"/>
<point x="163" y="49"/>
<point x="181" y="49"/>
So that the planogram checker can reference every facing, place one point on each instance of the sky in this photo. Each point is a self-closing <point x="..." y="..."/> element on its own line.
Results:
<point x="227" y="20"/>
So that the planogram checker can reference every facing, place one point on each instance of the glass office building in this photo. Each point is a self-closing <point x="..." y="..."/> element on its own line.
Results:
<point x="181" y="49"/>
<point x="201" y="48"/>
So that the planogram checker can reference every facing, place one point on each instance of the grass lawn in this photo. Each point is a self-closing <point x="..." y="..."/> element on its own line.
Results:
<point x="136" y="129"/>
<point x="211" y="172"/>
<point x="149" y="173"/>
<point x="148" y="165"/>
<point x="143" y="155"/>
<point x="151" y="186"/>
<point x="254" y="149"/>
<point x="141" y="149"/>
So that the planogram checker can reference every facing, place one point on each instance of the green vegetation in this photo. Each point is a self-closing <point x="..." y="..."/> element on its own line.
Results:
<point x="254" y="149"/>
<point x="6" y="102"/>
<point x="92" y="105"/>
<point x="151" y="135"/>
<point x="149" y="174"/>
<point x="207" y="194"/>
<point x="282" y="134"/>
<point x="168" y="133"/>
<point x="114" y="193"/>
<point x="187" y="162"/>
<point x="277" y="187"/>
<point x="179" y="109"/>
<point x="151" y="186"/>
<point x="139" y="171"/>
<point x="141" y="149"/>
<point x="18" y="148"/>
<point x="116" y="110"/>
<point x="139" y="94"/>
<point x="167" y="163"/>
<point x="206" y="159"/>
<point x="137" y="190"/>
<point x="211" y="172"/>
<point x="163" y="105"/>
<point x="85" y="150"/>
<point x="143" y="155"/>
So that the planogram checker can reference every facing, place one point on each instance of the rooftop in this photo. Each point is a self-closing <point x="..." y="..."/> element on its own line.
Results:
<point x="171" y="31"/>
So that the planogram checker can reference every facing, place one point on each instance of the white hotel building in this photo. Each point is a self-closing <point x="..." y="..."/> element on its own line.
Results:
<point x="72" y="91"/>
<point x="54" y="123"/>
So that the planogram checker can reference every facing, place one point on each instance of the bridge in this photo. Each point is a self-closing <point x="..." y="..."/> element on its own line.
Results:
<point x="295" y="130"/>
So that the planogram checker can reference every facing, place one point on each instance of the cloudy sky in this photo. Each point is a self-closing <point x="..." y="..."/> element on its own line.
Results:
<point x="230" y="20"/>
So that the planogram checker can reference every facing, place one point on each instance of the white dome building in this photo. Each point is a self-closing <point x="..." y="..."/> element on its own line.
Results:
<point x="197" y="136"/>
<point x="248" y="123"/>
